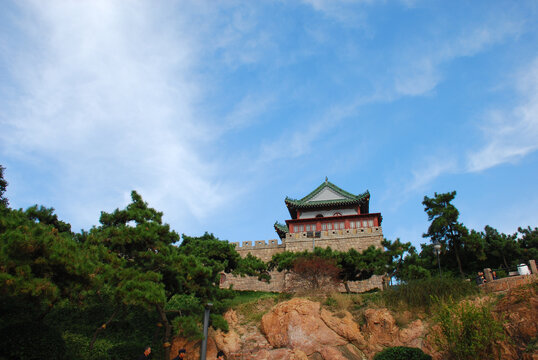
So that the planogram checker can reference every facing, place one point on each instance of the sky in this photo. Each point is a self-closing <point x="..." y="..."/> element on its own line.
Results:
<point x="215" y="111"/>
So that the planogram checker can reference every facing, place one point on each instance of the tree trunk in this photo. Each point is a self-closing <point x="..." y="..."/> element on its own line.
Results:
<point x="167" y="331"/>
<point x="504" y="260"/>
<point x="459" y="261"/>
<point x="346" y="285"/>
<point x="456" y="245"/>
<point x="101" y="328"/>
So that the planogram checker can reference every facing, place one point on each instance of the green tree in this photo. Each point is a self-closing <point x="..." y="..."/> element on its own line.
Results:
<point x="41" y="260"/>
<point x="221" y="256"/>
<point x="353" y="265"/>
<point x="444" y="226"/>
<point x="360" y="266"/>
<point x="528" y="243"/>
<point x="395" y="252"/>
<point x="3" y="186"/>
<point x="149" y="269"/>
<point x="415" y="266"/>
<point x="143" y="269"/>
<point x="41" y="265"/>
<point x="501" y="248"/>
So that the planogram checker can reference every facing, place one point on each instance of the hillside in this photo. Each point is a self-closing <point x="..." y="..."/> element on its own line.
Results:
<point x="357" y="327"/>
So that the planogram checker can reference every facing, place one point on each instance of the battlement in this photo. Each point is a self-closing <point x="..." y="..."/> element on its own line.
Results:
<point x="258" y="244"/>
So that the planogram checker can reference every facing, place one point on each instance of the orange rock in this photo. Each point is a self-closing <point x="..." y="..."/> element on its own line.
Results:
<point x="297" y="324"/>
<point x="381" y="327"/>
<point x="413" y="334"/>
<point x="346" y="327"/>
<point x="331" y="353"/>
<point x="229" y="342"/>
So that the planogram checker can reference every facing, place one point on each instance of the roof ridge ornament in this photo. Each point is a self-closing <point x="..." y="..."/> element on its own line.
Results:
<point x="326" y="179"/>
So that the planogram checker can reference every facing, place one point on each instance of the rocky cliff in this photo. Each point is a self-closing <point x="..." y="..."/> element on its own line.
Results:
<point x="301" y="329"/>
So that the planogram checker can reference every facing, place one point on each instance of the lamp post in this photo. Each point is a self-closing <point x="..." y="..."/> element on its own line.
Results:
<point x="203" y="348"/>
<point x="437" y="250"/>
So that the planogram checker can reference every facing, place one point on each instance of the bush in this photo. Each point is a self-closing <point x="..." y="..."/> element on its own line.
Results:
<point x="313" y="275"/>
<point x="467" y="331"/>
<point x="31" y="340"/>
<point x="426" y="292"/>
<point x="402" y="353"/>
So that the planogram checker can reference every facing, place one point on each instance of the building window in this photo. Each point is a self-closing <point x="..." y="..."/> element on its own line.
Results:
<point x="295" y="228"/>
<point x="301" y="228"/>
<point x="352" y="224"/>
<point x="342" y="225"/>
<point x="364" y="223"/>
<point x="371" y="223"/>
<point x="329" y="226"/>
<point x="324" y="226"/>
<point x="308" y="228"/>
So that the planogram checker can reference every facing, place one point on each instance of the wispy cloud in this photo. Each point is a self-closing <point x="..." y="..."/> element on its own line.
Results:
<point x="344" y="11"/>
<point x="292" y="144"/>
<point x="512" y="134"/>
<point x="429" y="169"/>
<point x="108" y="93"/>
<point x="419" y="65"/>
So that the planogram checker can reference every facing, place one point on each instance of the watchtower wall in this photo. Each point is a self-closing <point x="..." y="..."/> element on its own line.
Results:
<point x="340" y="240"/>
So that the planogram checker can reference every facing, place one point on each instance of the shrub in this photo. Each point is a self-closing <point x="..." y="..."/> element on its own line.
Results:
<point x="313" y="275"/>
<point x="31" y="340"/>
<point x="467" y="331"/>
<point x="426" y="292"/>
<point x="402" y="353"/>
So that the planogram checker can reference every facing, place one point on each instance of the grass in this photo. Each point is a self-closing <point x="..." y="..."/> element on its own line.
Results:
<point x="245" y="297"/>
<point x="423" y="294"/>
<point x="252" y="305"/>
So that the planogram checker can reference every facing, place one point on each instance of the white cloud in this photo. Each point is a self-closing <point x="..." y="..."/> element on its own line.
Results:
<point x="511" y="134"/>
<point x="418" y="70"/>
<point x="429" y="169"/>
<point x="344" y="11"/>
<point x="108" y="93"/>
<point x="424" y="171"/>
<point x="292" y="144"/>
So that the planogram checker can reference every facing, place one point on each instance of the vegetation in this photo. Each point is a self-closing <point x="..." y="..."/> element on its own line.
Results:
<point x="467" y="331"/>
<point x="131" y="280"/>
<point x="464" y="251"/>
<point x="129" y="268"/>
<point x="425" y="293"/>
<point x="402" y="353"/>
<point x="312" y="269"/>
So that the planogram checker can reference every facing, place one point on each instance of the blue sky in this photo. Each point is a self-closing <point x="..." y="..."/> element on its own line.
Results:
<point x="215" y="111"/>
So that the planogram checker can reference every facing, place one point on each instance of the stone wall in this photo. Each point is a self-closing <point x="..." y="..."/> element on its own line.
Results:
<point x="510" y="282"/>
<point x="252" y="283"/>
<point x="340" y="240"/>
<point x="278" y="283"/>
<point x="260" y="248"/>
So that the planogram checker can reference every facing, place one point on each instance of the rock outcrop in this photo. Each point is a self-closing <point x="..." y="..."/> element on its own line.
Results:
<point x="299" y="329"/>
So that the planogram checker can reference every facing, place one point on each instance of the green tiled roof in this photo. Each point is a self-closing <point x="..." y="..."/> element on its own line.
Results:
<point x="348" y="198"/>
<point x="281" y="229"/>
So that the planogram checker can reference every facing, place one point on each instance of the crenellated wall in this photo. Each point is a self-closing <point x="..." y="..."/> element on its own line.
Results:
<point x="260" y="248"/>
<point x="340" y="240"/>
